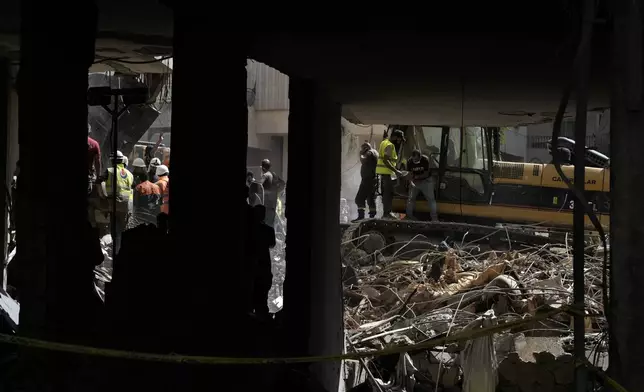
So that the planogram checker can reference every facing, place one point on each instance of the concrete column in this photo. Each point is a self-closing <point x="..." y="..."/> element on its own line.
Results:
<point x="627" y="209"/>
<point x="55" y="266"/>
<point x="313" y="288"/>
<point x="208" y="197"/>
<point x="4" y="132"/>
<point x="52" y="210"/>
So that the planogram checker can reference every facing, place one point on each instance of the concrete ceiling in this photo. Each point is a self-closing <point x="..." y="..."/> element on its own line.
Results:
<point x="424" y="78"/>
<point x="452" y="70"/>
<point x="133" y="31"/>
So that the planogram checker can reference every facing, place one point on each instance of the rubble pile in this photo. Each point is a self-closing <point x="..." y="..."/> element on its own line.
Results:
<point x="448" y="290"/>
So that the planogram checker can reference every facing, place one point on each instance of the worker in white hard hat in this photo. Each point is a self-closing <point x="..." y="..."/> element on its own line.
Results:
<point x="137" y="165"/>
<point x="123" y="199"/>
<point x="152" y="169"/>
<point x="163" y="183"/>
<point x="146" y="194"/>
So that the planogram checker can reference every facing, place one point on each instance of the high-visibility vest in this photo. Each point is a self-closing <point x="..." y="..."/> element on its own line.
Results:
<point x="279" y="207"/>
<point x="380" y="167"/>
<point x="124" y="181"/>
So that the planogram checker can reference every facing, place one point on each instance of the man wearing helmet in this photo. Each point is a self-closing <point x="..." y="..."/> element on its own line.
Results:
<point x="152" y="169"/>
<point x="368" y="182"/>
<point x="163" y="183"/>
<point x="119" y="193"/>
<point x="146" y="194"/>
<point x="386" y="169"/>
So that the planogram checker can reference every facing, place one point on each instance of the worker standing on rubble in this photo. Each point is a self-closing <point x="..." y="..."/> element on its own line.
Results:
<point x="146" y="194"/>
<point x="421" y="182"/>
<point x="270" y="194"/>
<point x="123" y="183"/>
<point x="263" y="277"/>
<point x="368" y="182"/>
<point x="386" y="169"/>
<point x="163" y="183"/>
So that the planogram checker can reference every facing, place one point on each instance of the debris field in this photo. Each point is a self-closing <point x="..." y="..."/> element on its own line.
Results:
<point x="445" y="290"/>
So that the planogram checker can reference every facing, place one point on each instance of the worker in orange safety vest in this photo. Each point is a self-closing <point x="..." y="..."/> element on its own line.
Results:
<point x="164" y="186"/>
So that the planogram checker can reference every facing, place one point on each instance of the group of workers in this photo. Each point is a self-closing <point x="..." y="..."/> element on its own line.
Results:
<point x="383" y="166"/>
<point x="141" y="194"/>
<point x="266" y="190"/>
<point x="264" y="203"/>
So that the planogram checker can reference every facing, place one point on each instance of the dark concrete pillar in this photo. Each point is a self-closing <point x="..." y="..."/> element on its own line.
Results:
<point x="627" y="209"/>
<point x="4" y="136"/>
<point x="208" y="198"/>
<point x="56" y="271"/>
<point x="53" y="150"/>
<point x="313" y="288"/>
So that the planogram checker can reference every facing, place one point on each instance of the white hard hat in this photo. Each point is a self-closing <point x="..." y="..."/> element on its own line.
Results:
<point x="119" y="156"/>
<point x="162" y="170"/>
<point x="138" y="162"/>
<point x="125" y="160"/>
<point x="155" y="162"/>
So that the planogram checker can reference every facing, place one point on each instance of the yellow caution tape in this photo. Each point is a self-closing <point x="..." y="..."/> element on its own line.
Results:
<point x="608" y="380"/>
<point x="462" y="336"/>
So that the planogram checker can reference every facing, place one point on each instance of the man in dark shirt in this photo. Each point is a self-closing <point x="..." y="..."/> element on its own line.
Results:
<point x="421" y="182"/>
<point x="368" y="183"/>
<point x="270" y="196"/>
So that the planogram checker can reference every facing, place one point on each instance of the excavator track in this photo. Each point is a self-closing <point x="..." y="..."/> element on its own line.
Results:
<point x="354" y="252"/>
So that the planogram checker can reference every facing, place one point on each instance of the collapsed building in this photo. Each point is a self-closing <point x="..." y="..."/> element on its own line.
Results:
<point x="417" y="292"/>
<point x="191" y="300"/>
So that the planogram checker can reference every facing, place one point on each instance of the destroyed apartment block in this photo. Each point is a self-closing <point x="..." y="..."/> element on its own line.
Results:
<point x="447" y="290"/>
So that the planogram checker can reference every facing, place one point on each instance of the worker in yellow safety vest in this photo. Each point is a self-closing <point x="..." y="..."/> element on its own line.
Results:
<point x="387" y="171"/>
<point x="124" y="195"/>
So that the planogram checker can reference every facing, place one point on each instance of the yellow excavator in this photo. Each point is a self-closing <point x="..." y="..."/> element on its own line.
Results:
<point x="475" y="186"/>
<point x="478" y="192"/>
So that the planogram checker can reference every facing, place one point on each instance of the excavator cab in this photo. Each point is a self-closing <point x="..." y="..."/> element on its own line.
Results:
<point x="461" y="161"/>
